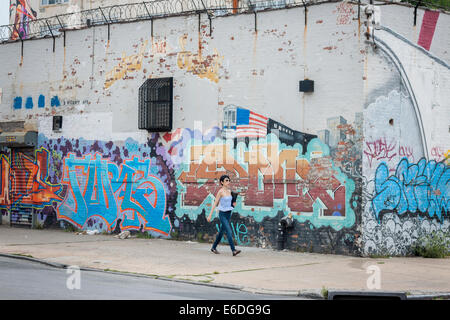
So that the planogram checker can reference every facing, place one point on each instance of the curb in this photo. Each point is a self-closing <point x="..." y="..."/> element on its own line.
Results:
<point x="445" y="296"/>
<point x="47" y="263"/>
<point x="156" y="277"/>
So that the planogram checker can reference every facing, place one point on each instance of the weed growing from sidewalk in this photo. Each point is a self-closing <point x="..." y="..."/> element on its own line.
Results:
<point x="23" y="255"/>
<point x="200" y="237"/>
<point x="144" y="235"/>
<point x="434" y="245"/>
<point x="70" y="228"/>
<point x="38" y="226"/>
<point x="380" y="256"/>
<point x="174" y="235"/>
<point x="324" y="293"/>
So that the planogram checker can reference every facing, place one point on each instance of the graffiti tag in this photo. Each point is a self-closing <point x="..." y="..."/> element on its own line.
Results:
<point x="421" y="187"/>
<point x="97" y="187"/>
<point x="240" y="234"/>
<point x="26" y="182"/>
<point x="271" y="179"/>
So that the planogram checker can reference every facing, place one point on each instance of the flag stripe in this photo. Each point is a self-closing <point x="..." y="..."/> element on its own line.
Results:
<point x="250" y="132"/>
<point x="258" y="115"/>
<point x="250" y="128"/>
<point x="259" y="127"/>
<point x="250" y="135"/>
<point x="256" y="121"/>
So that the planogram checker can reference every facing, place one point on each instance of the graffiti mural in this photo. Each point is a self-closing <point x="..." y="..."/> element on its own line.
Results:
<point x="23" y="14"/>
<point x="24" y="181"/>
<point x="111" y="187"/>
<point x="277" y="171"/>
<point x="174" y="145"/>
<point x="272" y="177"/>
<point x="244" y="123"/>
<point x="406" y="196"/>
<point x="415" y="188"/>
<point x="164" y="185"/>
<point x="381" y="149"/>
<point x="97" y="187"/>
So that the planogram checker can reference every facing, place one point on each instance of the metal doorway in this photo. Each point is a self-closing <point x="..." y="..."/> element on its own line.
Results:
<point x="17" y="154"/>
<point x="20" y="186"/>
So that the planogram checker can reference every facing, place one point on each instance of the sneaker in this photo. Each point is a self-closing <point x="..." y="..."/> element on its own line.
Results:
<point x="214" y="251"/>
<point x="236" y="252"/>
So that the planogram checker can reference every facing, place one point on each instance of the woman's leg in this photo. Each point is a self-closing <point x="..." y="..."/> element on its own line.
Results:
<point x="220" y="234"/>
<point x="227" y="227"/>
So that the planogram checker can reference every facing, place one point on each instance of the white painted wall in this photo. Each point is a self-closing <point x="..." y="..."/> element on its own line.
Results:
<point x="401" y="19"/>
<point x="399" y="104"/>
<point x="258" y="70"/>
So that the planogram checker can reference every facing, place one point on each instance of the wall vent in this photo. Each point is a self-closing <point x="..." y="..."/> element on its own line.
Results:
<point x="57" y="123"/>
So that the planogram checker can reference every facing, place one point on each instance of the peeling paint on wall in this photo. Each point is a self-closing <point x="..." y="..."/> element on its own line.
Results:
<point x="127" y="65"/>
<point x="195" y="63"/>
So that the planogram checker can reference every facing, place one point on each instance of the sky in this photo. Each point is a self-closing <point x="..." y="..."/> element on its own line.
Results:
<point x="4" y="12"/>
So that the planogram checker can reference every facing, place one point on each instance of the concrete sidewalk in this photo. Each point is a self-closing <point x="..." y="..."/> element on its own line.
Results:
<point x="254" y="270"/>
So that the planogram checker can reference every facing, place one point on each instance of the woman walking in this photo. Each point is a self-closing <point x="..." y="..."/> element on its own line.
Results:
<point x="223" y="200"/>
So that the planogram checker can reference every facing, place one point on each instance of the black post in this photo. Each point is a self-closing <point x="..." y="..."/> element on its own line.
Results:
<point x="415" y="11"/>
<point x="51" y="32"/>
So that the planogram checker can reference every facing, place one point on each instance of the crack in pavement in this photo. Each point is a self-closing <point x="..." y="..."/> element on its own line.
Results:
<point x="246" y="270"/>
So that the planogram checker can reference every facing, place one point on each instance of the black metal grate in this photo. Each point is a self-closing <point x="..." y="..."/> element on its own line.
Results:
<point x="155" y="105"/>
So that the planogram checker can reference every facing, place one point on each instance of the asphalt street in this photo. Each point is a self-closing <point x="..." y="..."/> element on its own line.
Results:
<point x="22" y="280"/>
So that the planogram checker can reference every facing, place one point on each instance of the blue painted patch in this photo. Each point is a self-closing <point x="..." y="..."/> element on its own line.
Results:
<point x="17" y="103"/>
<point x="29" y="103"/>
<point x="55" y="102"/>
<point x="41" y="101"/>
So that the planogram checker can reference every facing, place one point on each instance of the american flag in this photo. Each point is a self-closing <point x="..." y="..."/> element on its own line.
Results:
<point x="250" y="124"/>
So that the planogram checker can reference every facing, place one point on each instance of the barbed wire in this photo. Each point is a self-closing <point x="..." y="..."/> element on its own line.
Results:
<point x="53" y="26"/>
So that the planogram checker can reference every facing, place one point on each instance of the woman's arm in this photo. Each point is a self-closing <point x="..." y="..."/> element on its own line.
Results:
<point x="216" y="202"/>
